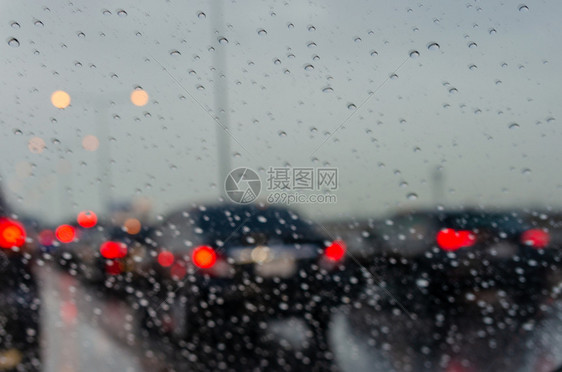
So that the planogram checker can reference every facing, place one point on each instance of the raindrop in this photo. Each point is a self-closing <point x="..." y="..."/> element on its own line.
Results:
<point x="493" y="31"/>
<point x="433" y="46"/>
<point x="282" y="133"/>
<point x="526" y="171"/>
<point x="201" y="15"/>
<point x="192" y="72"/>
<point x="472" y="44"/>
<point x="312" y="44"/>
<point x="393" y="76"/>
<point x="277" y="61"/>
<point x="374" y="53"/>
<point x="81" y="35"/>
<point x="18" y="132"/>
<point x="523" y="8"/>
<point x="175" y="53"/>
<point x="315" y="57"/>
<point x="357" y="39"/>
<point x="453" y="90"/>
<point x="412" y="196"/>
<point x="200" y="87"/>
<point x="13" y="42"/>
<point x="121" y="13"/>
<point x="223" y="40"/>
<point x="550" y="119"/>
<point x="311" y="28"/>
<point x="15" y="25"/>
<point x="513" y="126"/>
<point x="77" y="64"/>
<point x="313" y="130"/>
<point x="414" y="54"/>
<point x="38" y="23"/>
<point x="351" y="106"/>
<point x="262" y="32"/>
<point x="328" y="90"/>
<point x="106" y="12"/>
<point x="309" y="68"/>
<point x="473" y="67"/>
<point x="290" y="26"/>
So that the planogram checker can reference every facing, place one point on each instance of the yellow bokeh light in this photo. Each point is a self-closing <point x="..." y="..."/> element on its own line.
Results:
<point x="139" y="97"/>
<point x="60" y="99"/>
<point x="36" y="145"/>
<point x="132" y="226"/>
<point x="90" y="143"/>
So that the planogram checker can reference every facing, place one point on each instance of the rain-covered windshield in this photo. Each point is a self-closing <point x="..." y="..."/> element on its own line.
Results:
<point x="280" y="185"/>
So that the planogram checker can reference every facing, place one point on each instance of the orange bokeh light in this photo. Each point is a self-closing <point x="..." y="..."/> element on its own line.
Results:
<point x="139" y="97"/>
<point x="60" y="99"/>
<point x="132" y="226"/>
<point x="90" y="143"/>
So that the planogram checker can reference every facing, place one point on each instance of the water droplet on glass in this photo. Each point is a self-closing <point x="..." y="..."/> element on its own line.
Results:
<point x="262" y="32"/>
<point x="201" y="15"/>
<point x="290" y="26"/>
<point x="200" y="87"/>
<point x="374" y="53"/>
<point x="106" y="12"/>
<point x="277" y="61"/>
<point x="513" y="126"/>
<point x="18" y="132"/>
<point x="315" y="57"/>
<point x="433" y="46"/>
<point x="13" y="42"/>
<point x="223" y="40"/>
<point x="328" y="90"/>
<point x="526" y="171"/>
<point x="121" y="13"/>
<point x="357" y="39"/>
<point x="175" y="53"/>
<point x="493" y="31"/>
<point x="393" y="76"/>
<point x="81" y="35"/>
<point x="311" y="28"/>
<point x="313" y="130"/>
<point x="38" y="23"/>
<point x="312" y="44"/>
<point x="309" y="68"/>
<point x="414" y="54"/>
<point x="15" y="25"/>
<point x="453" y="90"/>
<point x="523" y="8"/>
<point x="472" y="44"/>
<point x="351" y="106"/>
<point x="473" y="67"/>
<point x="282" y="133"/>
<point x="412" y="196"/>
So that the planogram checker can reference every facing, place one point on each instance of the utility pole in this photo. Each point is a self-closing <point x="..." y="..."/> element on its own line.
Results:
<point x="221" y="96"/>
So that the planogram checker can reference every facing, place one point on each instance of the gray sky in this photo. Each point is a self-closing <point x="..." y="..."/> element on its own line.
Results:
<point x="166" y="150"/>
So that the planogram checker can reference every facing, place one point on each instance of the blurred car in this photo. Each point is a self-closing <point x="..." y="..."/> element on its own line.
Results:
<point x="19" y="300"/>
<point x="244" y="263"/>
<point x="453" y="258"/>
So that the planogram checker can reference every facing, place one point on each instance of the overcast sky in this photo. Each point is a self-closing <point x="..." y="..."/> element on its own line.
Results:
<point x="484" y="106"/>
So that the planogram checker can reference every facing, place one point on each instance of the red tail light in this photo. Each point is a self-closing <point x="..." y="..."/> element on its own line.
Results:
<point x="112" y="250"/>
<point x="12" y="233"/>
<point x="451" y="239"/>
<point x="165" y="258"/>
<point x="204" y="257"/>
<point x="65" y="233"/>
<point x="535" y="238"/>
<point x="335" y="251"/>
<point x="87" y="219"/>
